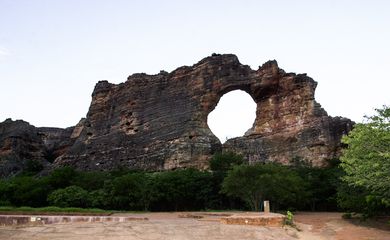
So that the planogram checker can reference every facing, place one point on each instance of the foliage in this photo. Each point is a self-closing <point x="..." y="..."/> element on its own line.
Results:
<point x="52" y="210"/>
<point x="179" y="190"/>
<point x="5" y="193"/>
<point x="100" y="199"/>
<point x="28" y="190"/>
<point x="72" y="196"/>
<point x="321" y="188"/>
<point x="62" y="177"/>
<point x="33" y="167"/>
<point x="89" y="181"/>
<point x="274" y="182"/>
<point x="351" y="198"/>
<point x="130" y="191"/>
<point x="225" y="161"/>
<point x="289" y="218"/>
<point x="183" y="190"/>
<point x="366" y="162"/>
<point x="347" y="215"/>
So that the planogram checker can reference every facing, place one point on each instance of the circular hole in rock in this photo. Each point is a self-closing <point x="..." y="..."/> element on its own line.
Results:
<point x="234" y="114"/>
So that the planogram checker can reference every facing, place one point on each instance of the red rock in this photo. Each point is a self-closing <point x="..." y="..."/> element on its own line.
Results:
<point x="159" y="122"/>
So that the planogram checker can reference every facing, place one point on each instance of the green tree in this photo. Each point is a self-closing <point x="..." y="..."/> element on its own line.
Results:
<point x="186" y="189"/>
<point x="353" y="199"/>
<point x="321" y="186"/>
<point x="253" y="184"/>
<point x="366" y="160"/>
<point x="6" y="192"/>
<point x="33" y="167"/>
<point x="225" y="161"/>
<point x="90" y="181"/>
<point x="131" y="191"/>
<point x="72" y="196"/>
<point x="62" y="177"/>
<point x="28" y="191"/>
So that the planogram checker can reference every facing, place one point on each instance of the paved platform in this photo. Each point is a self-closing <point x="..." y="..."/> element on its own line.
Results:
<point x="7" y="220"/>
<point x="258" y="219"/>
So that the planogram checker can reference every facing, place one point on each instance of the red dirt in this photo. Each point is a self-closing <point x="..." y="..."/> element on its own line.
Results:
<point x="329" y="225"/>
<point x="197" y="225"/>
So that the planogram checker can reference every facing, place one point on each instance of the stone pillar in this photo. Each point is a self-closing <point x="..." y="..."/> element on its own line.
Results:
<point x="266" y="207"/>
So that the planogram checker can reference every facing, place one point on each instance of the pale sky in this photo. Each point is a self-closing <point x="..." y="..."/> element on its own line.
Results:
<point x="233" y="116"/>
<point x="52" y="52"/>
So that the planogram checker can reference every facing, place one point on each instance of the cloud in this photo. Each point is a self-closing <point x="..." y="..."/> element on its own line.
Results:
<point x="4" y="51"/>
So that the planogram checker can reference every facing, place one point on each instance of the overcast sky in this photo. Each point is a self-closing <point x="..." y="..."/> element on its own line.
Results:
<point x="53" y="52"/>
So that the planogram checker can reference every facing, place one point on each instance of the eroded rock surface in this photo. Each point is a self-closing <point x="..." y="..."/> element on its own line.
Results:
<point x="21" y="143"/>
<point x="159" y="122"/>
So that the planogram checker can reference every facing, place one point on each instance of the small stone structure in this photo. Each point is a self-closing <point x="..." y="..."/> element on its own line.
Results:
<point x="266" y="207"/>
<point x="6" y="220"/>
<point x="258" y="219"/>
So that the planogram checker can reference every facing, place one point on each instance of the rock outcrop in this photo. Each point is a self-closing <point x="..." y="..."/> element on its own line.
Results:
<point x="21" y="142"/>
<point x="159" y="122"/>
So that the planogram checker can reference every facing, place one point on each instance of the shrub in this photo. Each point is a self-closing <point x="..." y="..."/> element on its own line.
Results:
<point x="187" y="189"/>
<point x="367" y="156"/>
<point x="289" y="218"/>
<point x="131" y="191"/>
<point x="33" y="166"/>
<point x="62" y="177"/>
<point x="347" y="215"/>
<point x="28" y="191"/>
<point x="225" y="161"/>
<point x="274" y="182"/>
<point x="72" y="196"/>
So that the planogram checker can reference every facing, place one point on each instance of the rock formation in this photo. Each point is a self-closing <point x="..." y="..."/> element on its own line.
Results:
<point x="21" y="142"/>
<point x="159" y="122"/>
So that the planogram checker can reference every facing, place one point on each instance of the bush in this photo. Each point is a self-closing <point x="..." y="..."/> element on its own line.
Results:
<point x="90" y="181"/>
<point x="321" y="187"/>
<point x="28" y="191"/>
<point x="367" y="156"/>
<point x="5" y="193"/>
<point x="347" y="215"/>
<point x="72" y="196"/>
<point x="365" y="161"/>
<point x="33" y="167"/>
<point x="299" y="187"/>
<point x="62" y="177"/>
<point x="225" y="161"/>
<point x="274" y="182"/>
<point x="187" y="189"/>
<point x="131" y="191"/>
<point x="289" y="219"/>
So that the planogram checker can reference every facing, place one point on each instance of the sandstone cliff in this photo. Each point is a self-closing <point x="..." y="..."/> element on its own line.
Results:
<point x="21" y="142"/>
<point x="159" y="122"/>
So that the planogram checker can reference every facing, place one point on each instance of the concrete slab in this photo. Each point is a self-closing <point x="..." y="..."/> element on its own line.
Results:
<point x="6" y="220"/>
<point x="258" y="219"/>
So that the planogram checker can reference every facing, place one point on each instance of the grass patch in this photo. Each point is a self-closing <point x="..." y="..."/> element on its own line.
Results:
<point x="54" y="210"/>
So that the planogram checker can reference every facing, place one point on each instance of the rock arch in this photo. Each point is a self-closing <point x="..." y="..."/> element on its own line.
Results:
<point x="234" y="114"/>
<point x="159" y="121"/>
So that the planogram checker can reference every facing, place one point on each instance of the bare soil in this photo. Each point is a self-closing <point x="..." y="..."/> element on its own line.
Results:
<point x="328" y="225"/>
<point x="197" y="225"/>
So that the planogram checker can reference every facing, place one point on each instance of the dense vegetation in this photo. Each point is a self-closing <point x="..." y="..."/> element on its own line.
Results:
<point x="366" y="162"/>
<point x="360" y="183"/>
<point x="225" y="187"/>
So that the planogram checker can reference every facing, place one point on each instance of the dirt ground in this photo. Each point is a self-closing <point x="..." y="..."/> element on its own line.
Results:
<point x="183" y="226"/>
<point x="326" y="225"/>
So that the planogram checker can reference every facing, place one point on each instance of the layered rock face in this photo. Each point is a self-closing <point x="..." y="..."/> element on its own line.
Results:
<point x="21" y="142"/>
<point x="159" y="122"/>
